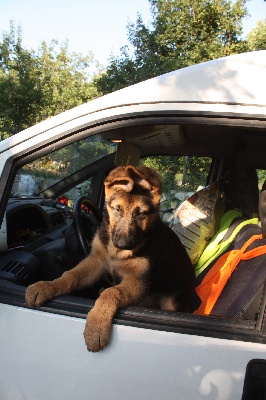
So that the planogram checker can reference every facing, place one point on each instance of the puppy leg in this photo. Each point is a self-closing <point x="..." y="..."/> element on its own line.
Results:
<point x="84" y="274"/>
<point x="99" y="320"/>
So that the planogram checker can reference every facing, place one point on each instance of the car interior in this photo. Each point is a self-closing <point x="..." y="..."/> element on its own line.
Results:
<point x="50" y="225"/>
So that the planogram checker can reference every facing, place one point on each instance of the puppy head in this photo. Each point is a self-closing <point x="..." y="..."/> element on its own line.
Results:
<point x="132" y="179"/>
<point x="133" y="196"/>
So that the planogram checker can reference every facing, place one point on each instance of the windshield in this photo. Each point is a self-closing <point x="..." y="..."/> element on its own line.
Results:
<point x="46" y="171"/>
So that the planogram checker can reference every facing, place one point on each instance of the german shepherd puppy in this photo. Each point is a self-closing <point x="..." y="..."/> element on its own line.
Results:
<point x="145" y="257"/>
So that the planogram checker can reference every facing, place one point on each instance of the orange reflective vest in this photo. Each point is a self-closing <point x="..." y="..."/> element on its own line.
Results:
<point x="215" y="280"/>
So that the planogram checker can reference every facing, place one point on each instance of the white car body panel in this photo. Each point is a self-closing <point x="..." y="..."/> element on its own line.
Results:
<point x="139" y="363"/>
<point x="203" y="87"/>
<point x="12" y="148"/>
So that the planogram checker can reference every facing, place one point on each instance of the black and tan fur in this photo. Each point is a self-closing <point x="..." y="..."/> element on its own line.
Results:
<point x="145" y="257"/>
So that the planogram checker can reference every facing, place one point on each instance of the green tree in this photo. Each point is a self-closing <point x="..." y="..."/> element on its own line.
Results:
<point x="65" y="78"/>
<point x="20" y="89"/>
<point x="35" y="85"/>
<point x="256" y="38"/>
<point x="182" y="33"/>
<point x="180" y="172"/>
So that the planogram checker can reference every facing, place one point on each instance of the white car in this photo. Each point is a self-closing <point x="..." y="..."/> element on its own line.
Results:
<point x="198" y="125"/>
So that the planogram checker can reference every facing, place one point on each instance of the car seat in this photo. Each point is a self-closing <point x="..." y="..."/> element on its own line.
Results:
<point x="242" y="294"/>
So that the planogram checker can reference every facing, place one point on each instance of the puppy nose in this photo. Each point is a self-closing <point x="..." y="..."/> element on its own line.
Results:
<point x="123" y="242"/>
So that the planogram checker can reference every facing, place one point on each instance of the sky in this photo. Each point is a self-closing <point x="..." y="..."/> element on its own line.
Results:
<point x="88" y="25"/>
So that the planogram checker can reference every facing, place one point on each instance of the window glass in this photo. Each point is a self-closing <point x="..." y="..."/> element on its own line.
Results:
<point x="82" y="189"/>
<point x="44" y="172"/>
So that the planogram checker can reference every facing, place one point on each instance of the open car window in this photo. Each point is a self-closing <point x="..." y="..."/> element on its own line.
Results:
<point x="181" y="177"/>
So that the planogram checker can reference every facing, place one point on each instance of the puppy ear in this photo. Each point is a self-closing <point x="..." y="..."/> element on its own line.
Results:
<point x="118" y="180"/>
<point x="147" y="179"/>
<point x="126" y="178"/>
<point x="138" y="178"/>
<point x="125" y="184"/>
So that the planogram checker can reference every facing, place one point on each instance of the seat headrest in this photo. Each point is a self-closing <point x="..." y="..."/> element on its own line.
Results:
<point x="248" y="192"/>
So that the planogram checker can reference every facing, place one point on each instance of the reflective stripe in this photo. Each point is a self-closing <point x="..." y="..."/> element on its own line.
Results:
<point x="215" y="280"/>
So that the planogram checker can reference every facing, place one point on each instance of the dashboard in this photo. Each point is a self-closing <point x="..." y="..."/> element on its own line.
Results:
<point x="27" y="220"/>
<point x="36" y="240"/>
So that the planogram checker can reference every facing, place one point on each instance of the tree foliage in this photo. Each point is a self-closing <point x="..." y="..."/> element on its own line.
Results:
<point x="182" y="33"/>
<point x="256" y="38"/>
<point x="65" y="78"/>
<point x="180" y="172"/>
<point x="35" y="85"/>
<point x="20" y="89"/>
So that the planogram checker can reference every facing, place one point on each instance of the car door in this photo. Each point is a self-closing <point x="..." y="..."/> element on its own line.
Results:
<point x="43" y="355"/>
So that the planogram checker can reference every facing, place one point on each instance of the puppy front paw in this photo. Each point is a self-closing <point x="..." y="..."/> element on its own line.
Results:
<point x="97" y="331"/>
<point x="39" y="293"/>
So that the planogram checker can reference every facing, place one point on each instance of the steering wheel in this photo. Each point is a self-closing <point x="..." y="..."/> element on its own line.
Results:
<point x="80" y="216"/>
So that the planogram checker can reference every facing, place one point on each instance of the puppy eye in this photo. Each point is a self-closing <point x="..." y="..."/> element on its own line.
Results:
<point x="142" y="213"/>
<point x="116" y="209"/>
